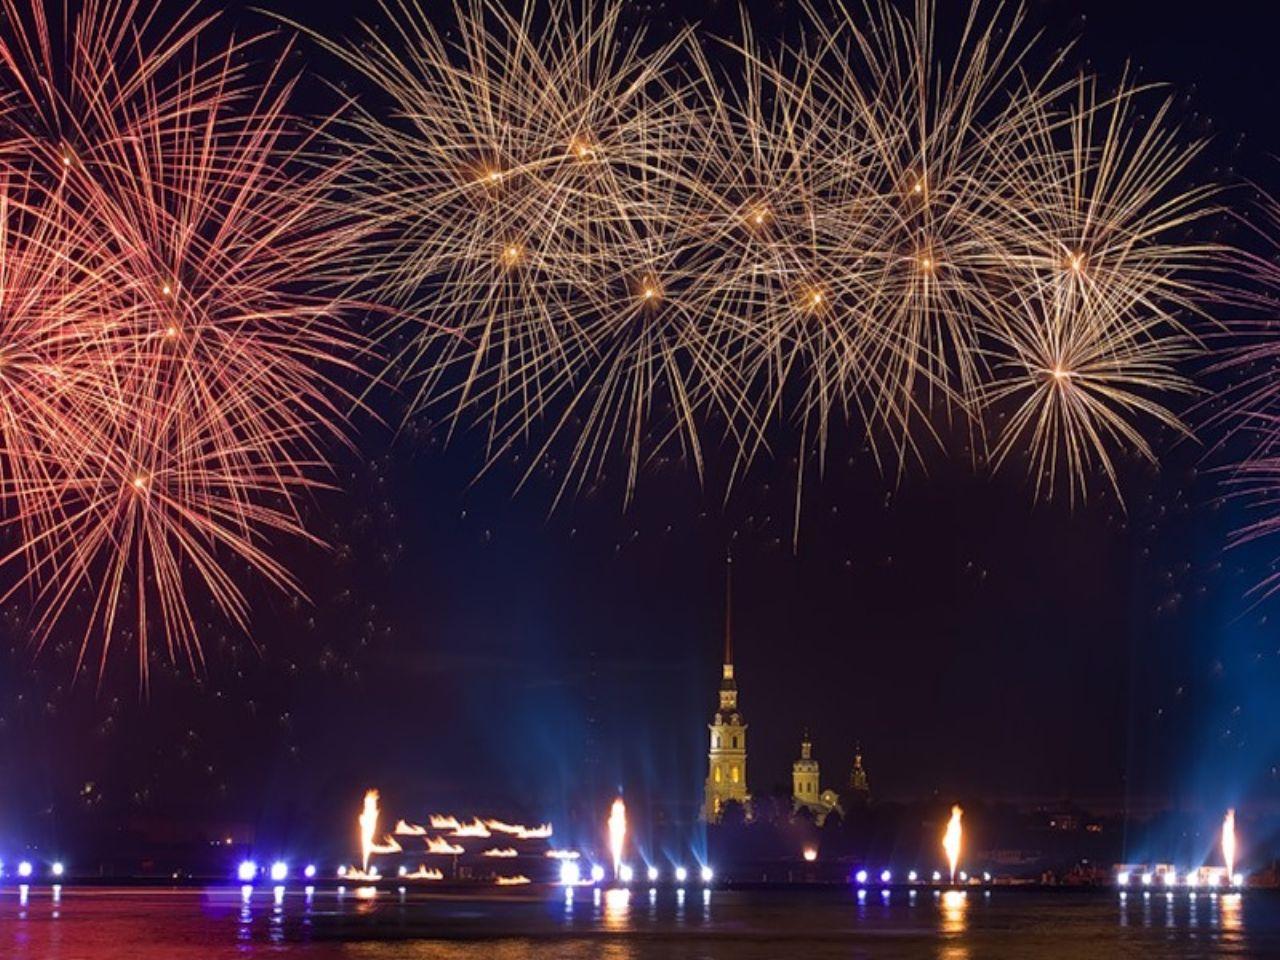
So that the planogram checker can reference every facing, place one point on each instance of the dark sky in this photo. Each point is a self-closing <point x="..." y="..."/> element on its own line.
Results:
<point x="467" y="647"/>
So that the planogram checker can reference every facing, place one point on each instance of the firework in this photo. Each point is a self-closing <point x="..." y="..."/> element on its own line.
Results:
<point x="201" y="246"/>
<point x="1103" y="291"/>
<point x="606" y="251"/>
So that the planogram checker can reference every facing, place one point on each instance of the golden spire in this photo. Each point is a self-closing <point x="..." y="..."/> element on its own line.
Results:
<point x="728" y="614"/>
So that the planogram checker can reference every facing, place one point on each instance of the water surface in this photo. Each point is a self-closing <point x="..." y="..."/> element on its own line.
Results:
<point x="90" y="923"/>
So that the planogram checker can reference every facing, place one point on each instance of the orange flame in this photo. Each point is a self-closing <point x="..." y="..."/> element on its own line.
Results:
<point x="406" y="829"/>
<point x="617" y="832"/>
<point x="368" y="827"/>
<point x="475" y="828"/>
<point x="500" y="852"/>
<point x="422" y="873"/>
<point x="951" y="840"/>
<point x="441" y="845"/>
<point x="512" y="881"/>
<point x="1229" y="843"/>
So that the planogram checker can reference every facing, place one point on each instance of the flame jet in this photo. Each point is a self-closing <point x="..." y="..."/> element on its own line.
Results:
<point x="617" y="833"/>
<point x="1229" y="843"/>
<point x="951" y="840"/>
<point x="368" y="827"/>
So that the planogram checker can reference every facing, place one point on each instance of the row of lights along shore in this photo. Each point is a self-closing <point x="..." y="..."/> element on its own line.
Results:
<point x="571" y="874"/>
<point x="28" y="871"/>
<point x="1169" y="879"/>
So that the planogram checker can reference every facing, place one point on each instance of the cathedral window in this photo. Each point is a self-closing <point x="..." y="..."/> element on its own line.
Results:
<point x="717" y="774"/>
<point x="735" y="773"/>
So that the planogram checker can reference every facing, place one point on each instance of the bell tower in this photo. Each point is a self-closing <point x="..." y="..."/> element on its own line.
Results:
<point x="804" y="777"/>
<point x="727" y="758"/>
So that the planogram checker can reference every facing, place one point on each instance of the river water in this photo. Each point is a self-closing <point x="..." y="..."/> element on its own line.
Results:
<point x="92" y="923"/>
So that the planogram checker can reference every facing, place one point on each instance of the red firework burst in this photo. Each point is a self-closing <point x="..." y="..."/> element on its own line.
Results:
<point x="179" y="208"/>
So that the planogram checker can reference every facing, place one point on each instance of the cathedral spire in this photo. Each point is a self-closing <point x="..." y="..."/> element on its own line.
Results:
<point x="728" y="612"/>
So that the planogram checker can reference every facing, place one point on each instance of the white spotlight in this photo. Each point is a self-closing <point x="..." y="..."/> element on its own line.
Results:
<point x="707" y="875"/>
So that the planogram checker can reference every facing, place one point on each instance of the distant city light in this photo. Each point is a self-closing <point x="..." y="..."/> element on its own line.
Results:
<point x="625" y="873"/>
<point x="1237" y="880"/>
<point x="653" y="874"/>
<point x="707" y="875"/>
<point x="937" y="876"/>
<point x="1146" y="879"/>
<point x="885" y="876"/>
<point x="402" y="871"/>
<point x="24" y="868"/>
<point x="860" y="876"/>
<point x="279" y="871"/>
<point x="57" y="869"/>
<point x="597" y="873"/>
<point x="986" y="877"/>
<point x="570" y="872"/>
<point x="912" y="876"/>
<point x="964" y="877"/>
<point x="247" y="871"/>
<point x="1170" y="877"/>
<point x="1122" y="878"/>
<point x="342" y="871"/>
<point x="810" y="854"/>
<point x="1193" y="879"/>
<point x="310" y="871"/>
<point x="681" y="874"/>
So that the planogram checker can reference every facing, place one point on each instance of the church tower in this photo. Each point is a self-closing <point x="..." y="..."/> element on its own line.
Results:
<point x="804" y="777"/>
<point x="858" y="782"/>
<point x="727" y="759"/>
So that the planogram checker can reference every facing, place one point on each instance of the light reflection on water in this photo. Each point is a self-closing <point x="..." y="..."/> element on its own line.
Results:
<point x="621" y="924"/>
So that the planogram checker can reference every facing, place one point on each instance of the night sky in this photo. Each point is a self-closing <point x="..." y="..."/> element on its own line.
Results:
<point x="467" y="647"/>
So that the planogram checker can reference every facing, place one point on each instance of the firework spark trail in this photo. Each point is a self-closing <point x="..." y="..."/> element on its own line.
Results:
<point x="861" y="230"/>
<point x="199" y="234"/>
<point x="596" y="246"/>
